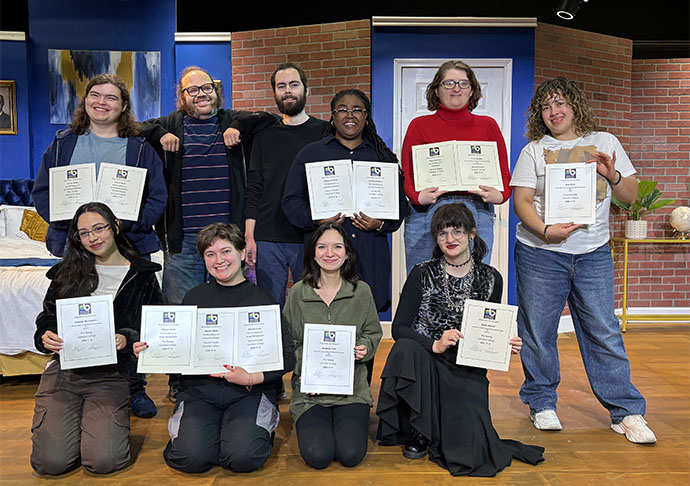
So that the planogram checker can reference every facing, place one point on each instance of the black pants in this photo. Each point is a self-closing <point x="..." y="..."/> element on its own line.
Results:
<point x="339" y="432"/>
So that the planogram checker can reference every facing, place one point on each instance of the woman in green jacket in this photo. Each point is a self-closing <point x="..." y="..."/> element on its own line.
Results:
<point x="330" y="292"/>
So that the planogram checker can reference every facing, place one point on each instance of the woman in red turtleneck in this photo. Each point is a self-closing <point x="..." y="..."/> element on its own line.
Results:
<point x="453" y="93"/>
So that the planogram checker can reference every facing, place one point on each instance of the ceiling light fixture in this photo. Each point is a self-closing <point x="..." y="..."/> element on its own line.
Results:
<point x="568" y="8"/>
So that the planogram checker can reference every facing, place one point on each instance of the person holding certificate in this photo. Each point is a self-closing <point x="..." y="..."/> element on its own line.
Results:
<point x="351" y="136"/>
<point x="567" y="262"/>
<point x="452" y="95"/>
<point x="332" y="426"/>
<point x="427" y="402"/>
<point x="226" y="419"/>
<point x="81" y="415"/>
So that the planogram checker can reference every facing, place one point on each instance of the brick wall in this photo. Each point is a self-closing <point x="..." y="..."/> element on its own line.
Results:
<point x="335" y="56"/>
<point x="646" y="104"/>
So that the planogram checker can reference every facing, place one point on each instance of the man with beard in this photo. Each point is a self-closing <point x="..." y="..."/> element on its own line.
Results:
<point x="204" y="159"/>
<point x="273" y="244"/>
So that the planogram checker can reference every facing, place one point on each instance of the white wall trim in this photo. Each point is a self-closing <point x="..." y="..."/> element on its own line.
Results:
<point x="454" y="22"/>
<point x="12" y="35"/>
<point x="203" y="36"/>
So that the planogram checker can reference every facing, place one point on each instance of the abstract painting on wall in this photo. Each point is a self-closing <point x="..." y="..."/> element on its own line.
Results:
<point x="69" y="72"/>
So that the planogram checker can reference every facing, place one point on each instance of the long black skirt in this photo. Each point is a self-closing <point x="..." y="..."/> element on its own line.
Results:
<point x="449" y="405"/>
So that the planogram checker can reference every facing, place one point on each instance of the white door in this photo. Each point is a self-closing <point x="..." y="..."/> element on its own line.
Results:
<point x="411" y="77"/>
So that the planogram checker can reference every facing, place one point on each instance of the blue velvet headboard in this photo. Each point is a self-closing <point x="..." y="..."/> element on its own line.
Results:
<point x="16" y="192"/>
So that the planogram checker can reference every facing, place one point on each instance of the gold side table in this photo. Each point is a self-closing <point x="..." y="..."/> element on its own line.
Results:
<point x="625" y="316"/>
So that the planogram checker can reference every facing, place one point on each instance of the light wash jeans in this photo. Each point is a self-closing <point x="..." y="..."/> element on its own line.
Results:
<point x="183" y="271"/>
<point x="274" y="260"/>
<point x="545" y="281"/>
<point x="419" y="245"/>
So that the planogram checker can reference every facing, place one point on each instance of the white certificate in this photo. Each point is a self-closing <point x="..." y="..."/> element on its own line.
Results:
<point x="122" y="188"/>
<point x="328" y="362"/>
<point x="87" y="328"/>
<point x="487" y="329"/>
<point x="169" y="332"/>
<point x="69" y="187"/>
<point x="570" y="192"/>
<point x="478" y="165"/>
<point x="435" y="165"/>
<point x="376" y="189"/>
<point x="330" y="188"/>
<point x="259" y="342"/>
<point x="214" y="335"/>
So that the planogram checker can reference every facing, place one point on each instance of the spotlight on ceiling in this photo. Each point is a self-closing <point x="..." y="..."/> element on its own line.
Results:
<point x="568" y="8"/>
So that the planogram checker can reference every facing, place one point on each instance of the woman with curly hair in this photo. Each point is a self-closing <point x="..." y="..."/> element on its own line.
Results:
<point x="452" y="95"/>
<point x="566" y="262"/>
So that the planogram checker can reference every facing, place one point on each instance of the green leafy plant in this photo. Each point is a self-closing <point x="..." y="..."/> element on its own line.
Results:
<point x="647" y="200"/>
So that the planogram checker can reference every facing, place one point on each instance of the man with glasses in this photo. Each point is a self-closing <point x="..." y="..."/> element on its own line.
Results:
<point x="273" y="244"/>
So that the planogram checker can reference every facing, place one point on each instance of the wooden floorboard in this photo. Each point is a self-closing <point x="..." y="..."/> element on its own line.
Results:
<point x="585" y="452"/>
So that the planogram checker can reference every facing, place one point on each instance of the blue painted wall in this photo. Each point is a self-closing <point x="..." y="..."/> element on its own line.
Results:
<point x="14" y="149"/>
<point x="389" y="43"/>
<point x="103" y="25"/>
<point x="215" y="57"/>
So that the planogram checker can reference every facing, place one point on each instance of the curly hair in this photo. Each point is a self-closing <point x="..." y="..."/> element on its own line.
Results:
<point x="127" y="126"/>
<point x="583" y="116"/>
<point x="432" y="99"/>
<point x="180" y="102"/>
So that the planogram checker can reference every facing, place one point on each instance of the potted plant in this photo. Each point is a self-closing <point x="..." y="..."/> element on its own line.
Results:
<point x="647" y="200"/>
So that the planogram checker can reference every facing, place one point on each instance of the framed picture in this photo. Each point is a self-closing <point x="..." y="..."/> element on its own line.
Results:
<point x="8" y="108"/>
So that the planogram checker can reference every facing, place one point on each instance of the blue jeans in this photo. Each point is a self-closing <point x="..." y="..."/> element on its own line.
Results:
<point x="183" y="271"/>
<point x="545" y="281"/>
<point x="419" y="245"/>
<point x="274" y="260"/>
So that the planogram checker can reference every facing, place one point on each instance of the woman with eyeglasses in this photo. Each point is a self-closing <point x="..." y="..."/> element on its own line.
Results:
<point x="351" y="135"/>
<point x="81" y="415"/>
<point x="428" y="403"/>
<point x="453" y="94"/>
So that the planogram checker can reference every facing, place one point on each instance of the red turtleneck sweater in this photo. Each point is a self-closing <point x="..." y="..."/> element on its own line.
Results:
<point x="444" y="125"/>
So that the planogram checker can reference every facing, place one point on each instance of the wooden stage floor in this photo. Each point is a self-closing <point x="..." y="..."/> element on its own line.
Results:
<point x="585" y="452"/>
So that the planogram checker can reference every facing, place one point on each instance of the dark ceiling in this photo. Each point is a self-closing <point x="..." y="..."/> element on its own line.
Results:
<point x="658" y="28"/>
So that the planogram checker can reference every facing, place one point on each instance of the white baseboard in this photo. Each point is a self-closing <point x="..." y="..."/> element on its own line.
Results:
<point x="566" y="322"/>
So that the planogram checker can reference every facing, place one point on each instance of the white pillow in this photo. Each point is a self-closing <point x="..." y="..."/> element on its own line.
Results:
<point x="11" y="219"/>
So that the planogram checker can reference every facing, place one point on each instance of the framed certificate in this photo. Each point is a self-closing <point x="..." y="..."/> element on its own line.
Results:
<point x="69" y="187"/>
<point x="487" y="329"/>
<point x="199" y="341"/>
<point x="122" y="188"/>
<point x="328" y="362"/>
<point x="570" y="192"/>
<point x="87" y="327"/>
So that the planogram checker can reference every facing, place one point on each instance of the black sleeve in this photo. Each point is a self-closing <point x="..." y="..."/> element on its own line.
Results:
<point x="46" y="319"/>
<point x="497" y="292"/>
<point x="408" y="307"/>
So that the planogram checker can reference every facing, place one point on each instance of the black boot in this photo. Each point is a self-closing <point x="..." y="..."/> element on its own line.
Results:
<point x="417" y="447"/>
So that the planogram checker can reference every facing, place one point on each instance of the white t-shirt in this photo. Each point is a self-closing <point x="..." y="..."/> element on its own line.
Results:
<point x="529" y="172"/>
<point x="110" y="278"/>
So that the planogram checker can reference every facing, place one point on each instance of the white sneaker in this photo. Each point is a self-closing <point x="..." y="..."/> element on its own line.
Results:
<point x="635" y="429"/>
<point x="546" y="420"/>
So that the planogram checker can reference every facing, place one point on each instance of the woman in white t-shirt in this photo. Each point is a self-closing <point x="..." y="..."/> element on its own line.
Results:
<point x="567" y="262"/>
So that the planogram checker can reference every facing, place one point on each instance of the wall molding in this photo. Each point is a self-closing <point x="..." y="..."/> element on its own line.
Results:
<point x="454" y="22"/>
<point x="203" y="36"/>
<point x="12" y="35"/>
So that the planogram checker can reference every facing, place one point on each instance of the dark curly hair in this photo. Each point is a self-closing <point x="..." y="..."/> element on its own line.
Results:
<point x="583" y="115"/>
<point x="127" y="126"/>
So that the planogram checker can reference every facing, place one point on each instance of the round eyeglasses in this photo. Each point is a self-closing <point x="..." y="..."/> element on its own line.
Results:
<point x="457" y="234"/>
<point x="357" y="111"/>
<point x="194" y="90"/>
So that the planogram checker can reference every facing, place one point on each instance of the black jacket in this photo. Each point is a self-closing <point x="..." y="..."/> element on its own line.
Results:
<point x="170" y="228"/>
<point x="139" y="287"/>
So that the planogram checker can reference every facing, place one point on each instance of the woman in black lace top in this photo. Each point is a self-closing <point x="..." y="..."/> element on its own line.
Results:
<point x="427" y="402"/>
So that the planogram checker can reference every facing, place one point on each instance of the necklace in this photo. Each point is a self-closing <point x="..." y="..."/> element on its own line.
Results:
<point x="459" y="264"/>
<point x="463" y="292"/>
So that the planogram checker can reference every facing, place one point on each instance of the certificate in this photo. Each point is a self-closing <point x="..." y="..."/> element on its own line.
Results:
<point x="169" y="332"/>
<point x="122" y="188"/>
<point x="487" y="329"/>
<point x="376" y="189"/>
<point x="570" y="192"/>
<point x="69" y="187"/>
<point x="328" y="363"/>
<point x="330" y="188"/>
<point x="87" y="327"/>
<point x="199" y="341"/>
<point x="457" y="166"/>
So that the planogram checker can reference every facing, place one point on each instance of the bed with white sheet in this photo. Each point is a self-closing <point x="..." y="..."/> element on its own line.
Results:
<point x="23" y="284"/>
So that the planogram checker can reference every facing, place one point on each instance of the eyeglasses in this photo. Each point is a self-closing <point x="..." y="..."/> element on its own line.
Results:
<point x="457" y="234"/>
<point x="96" y="230"/>
<point x="207" y="88"/>
<point x="357" y="111"/>
<point x="450" y="84"/>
